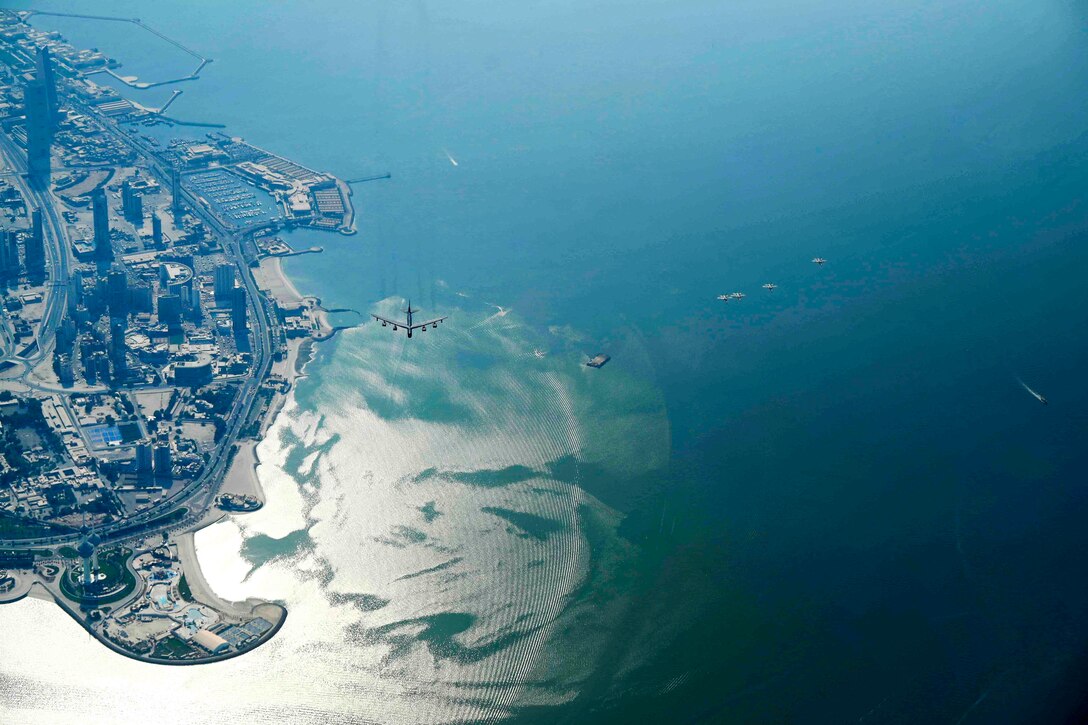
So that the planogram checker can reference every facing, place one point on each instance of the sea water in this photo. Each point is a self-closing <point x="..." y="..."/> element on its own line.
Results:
<point x="830" y="502"/>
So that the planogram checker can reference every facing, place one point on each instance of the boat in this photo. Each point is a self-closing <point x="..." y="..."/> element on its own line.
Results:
<point x="598" y="361"/>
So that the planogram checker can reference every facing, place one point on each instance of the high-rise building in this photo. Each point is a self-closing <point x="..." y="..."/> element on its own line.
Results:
<point x="175" y="195"/>
<point x="62" y="365"/>
<point x="117" y="292"/>
<point x="103" y="249"/>
<point x="39" y="131"/>
<point x="66" y="334"/>
<point x="35" y="248"/>
<point x="156" y="230"/>
<point x="100" y="364"/>
<point x="43" y="67"/>
<point x="118" y="348"/>
<point x="75" y="291"/>
<point x="132" y="204"/>
<point x="164" y="460"/>
<point x="13" y="251"/>
<point x="9" y="263"/>
<point x="224" y="284"/>
<point x="169" y="309"/>
<point x="144" y="461"/>
<point x="238" y="311"/>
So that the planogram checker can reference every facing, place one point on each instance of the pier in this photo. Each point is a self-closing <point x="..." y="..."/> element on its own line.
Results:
<point x="140" y="85"/>
<point x="364" y="179"/>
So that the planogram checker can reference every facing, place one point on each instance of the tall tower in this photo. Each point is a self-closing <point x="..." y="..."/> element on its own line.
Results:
<point x="143" y="460"/>
<point x="4" y="255"/>
<point x="39" y="131"/>
<point x="9" y="264"/>
<point x="224" y="284"/>
<point x="75" y="291"/>
<point x="103" y="250"/>
<point x="35" y="248"/>
<point x="117" y="292"/>
<point x="43" y="67"/>
<point x="238" y="311"/>
<point x="175" y="195"/>
<point x="169" y="309"/>
<point x="156" y="230"/>
<point x="118" y="348"/>
<point x="164" y="460"/>
<point x="132" y="203"/>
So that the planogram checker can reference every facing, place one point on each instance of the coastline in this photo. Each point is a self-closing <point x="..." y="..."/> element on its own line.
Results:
<point x="242" y="477"/>
<point x="147" y="596"/>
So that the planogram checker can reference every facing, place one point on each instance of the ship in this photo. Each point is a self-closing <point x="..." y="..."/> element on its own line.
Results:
<point x="598" y="361"/>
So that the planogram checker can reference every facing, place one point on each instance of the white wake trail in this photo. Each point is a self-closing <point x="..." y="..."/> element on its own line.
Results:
<point x="1036" y="395"/>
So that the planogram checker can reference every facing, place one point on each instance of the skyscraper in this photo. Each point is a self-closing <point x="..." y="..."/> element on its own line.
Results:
<point x="39" y="131"/>
<point x="117" y="292"/>
<point x="169" y="310"/>
<point x="103" y="250"/>
<point x="224" y="284"/>
<point x="118" y="348"/>
<point x="132" y="204"/>
<point x="75" y="291"/>
<point x="9" y="263"/>
<point x="238" y="311"/>
<point x="164" y="460"/>
<point x="156" y="230"/>
<point x="43" y="67"/>
<point x="175" y="195"/>
<point x="35" y="248"/>
<point x="144" y="465"/>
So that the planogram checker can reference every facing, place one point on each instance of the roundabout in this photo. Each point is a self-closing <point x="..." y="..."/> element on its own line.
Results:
<point x="108" y="580"/>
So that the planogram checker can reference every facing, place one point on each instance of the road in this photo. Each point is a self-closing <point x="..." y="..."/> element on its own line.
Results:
<point x="57" y="253"/>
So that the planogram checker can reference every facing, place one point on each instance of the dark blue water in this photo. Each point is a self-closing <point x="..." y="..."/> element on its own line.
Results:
<point x="863" y="516"/>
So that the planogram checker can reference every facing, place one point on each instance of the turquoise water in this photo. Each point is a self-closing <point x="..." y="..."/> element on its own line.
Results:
<point x="828" y="503"/>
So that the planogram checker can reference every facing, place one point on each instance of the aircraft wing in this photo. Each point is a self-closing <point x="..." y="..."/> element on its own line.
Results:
<point x="382" y="319"/>
<point x="428" y="322"/>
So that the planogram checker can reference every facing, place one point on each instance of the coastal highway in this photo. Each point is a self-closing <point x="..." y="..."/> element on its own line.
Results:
<point x="57" y="252"/>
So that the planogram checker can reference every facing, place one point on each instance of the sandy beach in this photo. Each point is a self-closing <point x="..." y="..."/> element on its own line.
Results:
<point x="270" y="277"/>
<point x="202" y="592"/>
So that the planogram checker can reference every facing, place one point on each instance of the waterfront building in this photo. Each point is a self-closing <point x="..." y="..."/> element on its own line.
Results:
<point x="224" y="284"/>
<point x="103" y="249"/>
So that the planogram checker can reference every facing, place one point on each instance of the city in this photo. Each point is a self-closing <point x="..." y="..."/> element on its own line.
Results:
<point x="147" y="337"/>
